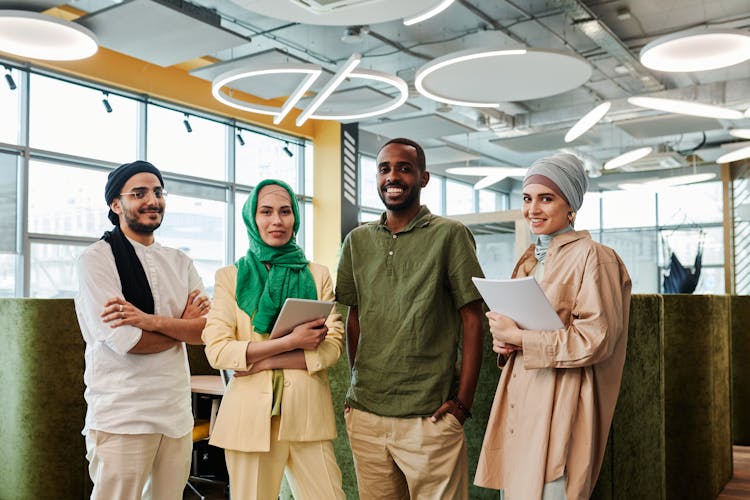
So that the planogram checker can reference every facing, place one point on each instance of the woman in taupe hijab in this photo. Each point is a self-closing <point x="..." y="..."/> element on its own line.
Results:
<point x="554" y="403"/>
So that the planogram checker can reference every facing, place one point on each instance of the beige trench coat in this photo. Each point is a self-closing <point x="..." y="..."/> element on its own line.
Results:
<point x="555" y="400"/>
<point x="244" y="419"/>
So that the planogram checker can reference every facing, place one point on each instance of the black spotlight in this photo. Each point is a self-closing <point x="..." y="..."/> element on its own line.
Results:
<point x="240" y="139"/>
<point x="186" y="122"/>
<point x="105" y="102"/>
<point x="287" y="150"/>
<point x="9" y="79"/>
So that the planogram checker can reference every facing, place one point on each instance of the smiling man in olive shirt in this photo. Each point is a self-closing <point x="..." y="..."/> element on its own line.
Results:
<point x="407" y="280"/>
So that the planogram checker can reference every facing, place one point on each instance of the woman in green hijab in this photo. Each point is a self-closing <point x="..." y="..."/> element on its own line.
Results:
<point x="277" y="413"/>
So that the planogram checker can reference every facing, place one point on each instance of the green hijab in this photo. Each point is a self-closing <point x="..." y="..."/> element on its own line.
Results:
<point x="261" y="292"/>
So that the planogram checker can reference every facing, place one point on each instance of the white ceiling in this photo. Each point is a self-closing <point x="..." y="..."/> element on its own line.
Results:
<point x="607" y="34"/>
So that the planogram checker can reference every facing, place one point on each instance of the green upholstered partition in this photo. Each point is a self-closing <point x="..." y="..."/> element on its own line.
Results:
<point x="42" y="455"/>
<point x="670" y="436"/>
<point x="697" y="395"/>
<point x="741" y="370"/>
<point x="198" y="361"/>
<point x="634" y="464"/>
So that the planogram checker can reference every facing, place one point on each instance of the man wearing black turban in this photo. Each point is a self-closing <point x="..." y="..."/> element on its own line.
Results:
<point x="138" y="304"/>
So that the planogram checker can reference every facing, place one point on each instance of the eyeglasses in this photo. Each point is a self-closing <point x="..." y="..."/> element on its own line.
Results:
<point x="140" y="194"/>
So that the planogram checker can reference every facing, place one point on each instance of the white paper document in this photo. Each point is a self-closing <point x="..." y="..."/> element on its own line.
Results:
<point x="522" y="300"/>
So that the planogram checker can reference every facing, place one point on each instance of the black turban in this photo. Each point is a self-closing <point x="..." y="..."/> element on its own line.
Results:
<point x="119" y="176"/>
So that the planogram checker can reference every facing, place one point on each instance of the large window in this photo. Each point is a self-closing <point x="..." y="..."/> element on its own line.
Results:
<point x="10" y="103"/>
<point x="8" y="224"/>
<point x="72" y="119"/>
<point x="78" y="132"/>
<point x="185" y="144"/>
<point x="263" y="157"/>
<point x="66" y="201"/>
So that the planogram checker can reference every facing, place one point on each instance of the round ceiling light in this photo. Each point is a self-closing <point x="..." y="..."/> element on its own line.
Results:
<point x="492" y="175"/>
<point x="486" y="77"/>
<point x="685" y="107"/>
<point x="39" y="36"/>
<point x="341" y="12"/>
<point x="587" y="121"/>
<point x="697" y="50"/>
<point x="628" y="157"/>
<point x="736" y="155"/>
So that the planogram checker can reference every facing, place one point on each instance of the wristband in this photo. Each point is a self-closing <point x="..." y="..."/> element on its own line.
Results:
<point x="462" y="407"/>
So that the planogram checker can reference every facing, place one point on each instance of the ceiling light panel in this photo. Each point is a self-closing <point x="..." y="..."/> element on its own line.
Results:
<point x="697" y="50"/>
<point x="439" y="7"/>
<point x="587" y="121"/>
<point x="742" y="133"/>
<point x="736" y="155"/>
<point x="685" y="107"/>
<point x="419" y="128"/>
<point x="39" y="36"/>
<point x="138" y="28"/>
<point x="628" y="157"/>
<point x="270" y="87"/>
<point x="542" y="141"/>
<point x="487" y="77"/>
<point x="338" y="13"/>
<point x="660" y="125"/>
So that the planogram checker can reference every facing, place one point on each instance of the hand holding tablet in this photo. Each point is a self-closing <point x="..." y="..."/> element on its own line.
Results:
<point x="297" y="311"/>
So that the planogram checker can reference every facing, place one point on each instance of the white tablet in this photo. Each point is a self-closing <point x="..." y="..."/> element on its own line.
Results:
<point x="297" y="311"/>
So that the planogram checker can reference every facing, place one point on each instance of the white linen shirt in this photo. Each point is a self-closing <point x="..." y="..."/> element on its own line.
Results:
<point x="134" y="393"/>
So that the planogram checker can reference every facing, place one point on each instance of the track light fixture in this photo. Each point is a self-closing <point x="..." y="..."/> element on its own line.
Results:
<point x="286" y="150"/>
<point x="9" y="79"/>
<point x="186" y="122"/>
<point x="239" y="138"/>
<point x="105" y="102"/>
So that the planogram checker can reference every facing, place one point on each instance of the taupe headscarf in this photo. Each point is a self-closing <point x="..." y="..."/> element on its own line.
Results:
<point x="565" y="172"/>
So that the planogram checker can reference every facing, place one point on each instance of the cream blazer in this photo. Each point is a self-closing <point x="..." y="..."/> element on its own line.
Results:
<point x="244" y="419"/>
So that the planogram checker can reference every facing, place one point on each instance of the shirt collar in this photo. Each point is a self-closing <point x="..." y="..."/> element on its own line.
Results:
<point x="137" y="244"/>
<point x="422" y="219"/>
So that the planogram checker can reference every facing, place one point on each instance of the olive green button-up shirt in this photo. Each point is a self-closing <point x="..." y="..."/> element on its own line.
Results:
<point x="408" y="288"/>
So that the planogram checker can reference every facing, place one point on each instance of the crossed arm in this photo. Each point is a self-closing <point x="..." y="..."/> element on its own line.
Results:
<point x="159" y="333"/>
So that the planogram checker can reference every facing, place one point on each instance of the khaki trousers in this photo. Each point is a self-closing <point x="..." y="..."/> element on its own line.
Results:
<point x="311" y="470"/>
<point x="402" y="458"/>
<point x="138" y="466"/>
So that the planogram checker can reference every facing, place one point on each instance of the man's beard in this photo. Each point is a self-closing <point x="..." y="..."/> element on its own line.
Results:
<point x="406" y="203"/>
<point x="140" y="228"/>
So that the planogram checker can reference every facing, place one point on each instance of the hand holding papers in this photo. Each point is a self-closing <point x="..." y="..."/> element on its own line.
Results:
<point x="522" y="300"/>
<point x="297" y="311"/>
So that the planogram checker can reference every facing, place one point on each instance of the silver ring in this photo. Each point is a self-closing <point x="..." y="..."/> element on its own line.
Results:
<point x="120" y="307"/>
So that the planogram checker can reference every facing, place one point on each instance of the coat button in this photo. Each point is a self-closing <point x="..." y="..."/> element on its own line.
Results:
<point x="287" y="383"/>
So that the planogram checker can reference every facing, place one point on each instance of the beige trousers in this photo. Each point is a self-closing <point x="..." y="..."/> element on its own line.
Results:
<point x="311" y="470"/>
<point x="138" y="466"/>
<point x="402" y="458"/>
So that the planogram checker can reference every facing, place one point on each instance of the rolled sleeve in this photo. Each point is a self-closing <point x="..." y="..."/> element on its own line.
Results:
<point x="223" y="349"/>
